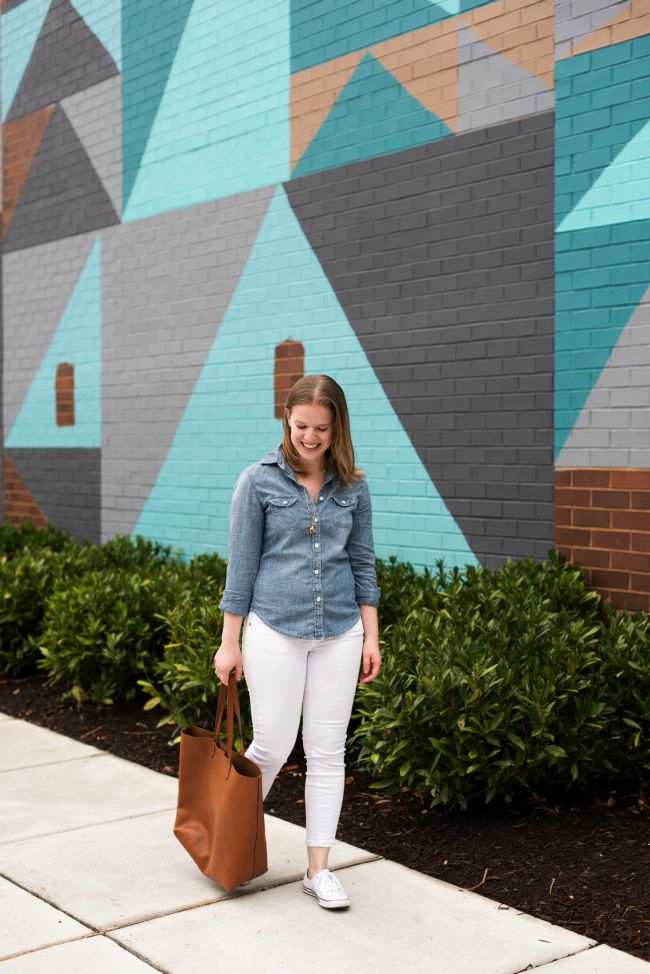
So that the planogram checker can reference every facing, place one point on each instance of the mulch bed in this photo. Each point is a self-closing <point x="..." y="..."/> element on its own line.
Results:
<point x="578" y="860"/>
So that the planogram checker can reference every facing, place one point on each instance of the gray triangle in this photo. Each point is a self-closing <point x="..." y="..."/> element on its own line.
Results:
<point x="67" y="58"/>
<point x="575" y="21"/>
<point x="456" y="370"/>
<point x="37" y="283"/>
<point x="613" y="427"/>
<point x="63" y="194"/>
<point x="493" y="89"/>
<point x="96" y="116"/>
<point x="172" y="277"/>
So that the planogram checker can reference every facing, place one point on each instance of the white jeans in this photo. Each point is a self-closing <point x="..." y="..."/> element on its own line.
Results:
<point x="319" y="677"/>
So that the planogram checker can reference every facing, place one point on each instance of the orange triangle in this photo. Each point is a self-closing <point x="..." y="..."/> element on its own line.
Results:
<point x="521" y="31"/>
<point x="21" y="140"/>
<point x="425" y="62"/>
<point x="632" y="21"/>
<point x="313" y="93"/>
<point x="18" y="502"/>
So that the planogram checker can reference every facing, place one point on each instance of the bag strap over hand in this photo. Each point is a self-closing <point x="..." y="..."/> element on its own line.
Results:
<point x="233" y="705"/>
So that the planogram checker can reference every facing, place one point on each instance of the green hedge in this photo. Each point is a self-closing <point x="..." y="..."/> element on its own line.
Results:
<point x="493" y="683"/>
<point x="499" y="682"/>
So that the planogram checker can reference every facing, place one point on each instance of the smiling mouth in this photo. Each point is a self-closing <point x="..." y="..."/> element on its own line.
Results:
<point x="314" y="447"/>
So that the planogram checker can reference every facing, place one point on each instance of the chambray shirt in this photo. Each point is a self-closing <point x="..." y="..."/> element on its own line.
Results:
<point x="305" y="585"/>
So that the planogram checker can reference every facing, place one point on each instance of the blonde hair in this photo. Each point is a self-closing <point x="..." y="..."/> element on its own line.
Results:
<point x="322" y="390"/>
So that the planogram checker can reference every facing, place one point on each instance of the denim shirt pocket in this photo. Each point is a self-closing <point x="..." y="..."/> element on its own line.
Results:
<point x="284" y="512"/>
<point x="343" y="511"/>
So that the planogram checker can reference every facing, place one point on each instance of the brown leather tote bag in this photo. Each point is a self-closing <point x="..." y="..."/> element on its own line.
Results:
<point x="220" y="814"/>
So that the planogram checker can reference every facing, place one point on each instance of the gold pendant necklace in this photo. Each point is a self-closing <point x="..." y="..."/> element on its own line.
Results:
<point x="312" y="517"/>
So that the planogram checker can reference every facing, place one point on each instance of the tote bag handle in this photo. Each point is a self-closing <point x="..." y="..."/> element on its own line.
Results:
<point x="233" y="704"/>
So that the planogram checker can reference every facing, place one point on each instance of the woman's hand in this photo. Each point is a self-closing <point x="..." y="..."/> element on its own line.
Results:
<point x="227" y="658"/>
<point x="371" y="660"/>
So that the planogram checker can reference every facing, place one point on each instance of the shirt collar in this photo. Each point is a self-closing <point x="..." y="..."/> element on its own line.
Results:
<point x="277" y="456"/>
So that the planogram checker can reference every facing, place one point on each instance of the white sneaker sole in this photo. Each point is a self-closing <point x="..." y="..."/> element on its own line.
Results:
<point x="328" y="904"/>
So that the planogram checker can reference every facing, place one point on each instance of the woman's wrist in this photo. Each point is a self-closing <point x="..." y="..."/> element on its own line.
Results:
<point x="231" y="629"/>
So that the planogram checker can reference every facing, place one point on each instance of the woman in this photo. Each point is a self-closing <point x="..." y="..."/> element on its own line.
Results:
<point x="301" y="569"/>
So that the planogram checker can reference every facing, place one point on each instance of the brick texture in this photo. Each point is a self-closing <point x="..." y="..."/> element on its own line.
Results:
<point x="603" y="524"/>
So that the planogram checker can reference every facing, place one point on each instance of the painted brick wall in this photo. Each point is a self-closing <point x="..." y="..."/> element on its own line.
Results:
<point x="602" y="305"/>
<point x="442" y="205"/>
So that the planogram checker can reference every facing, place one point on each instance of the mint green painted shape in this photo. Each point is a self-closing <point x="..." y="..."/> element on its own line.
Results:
<point x="622" y="191"/>
<point x="229" y="420"/>
<point x="20" y="29"/>
<point x="104" y="19"/>
<point x="451" y="7"/>
<point x="373" y="115"/>
<point x="222" y="126"/>
<point x="77" y="341"/>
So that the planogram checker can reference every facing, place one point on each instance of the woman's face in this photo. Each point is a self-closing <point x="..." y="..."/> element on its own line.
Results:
<point x="311" y="432"/>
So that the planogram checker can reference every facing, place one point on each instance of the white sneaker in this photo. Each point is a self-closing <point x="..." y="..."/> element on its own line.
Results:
<point x="327" y="889"/>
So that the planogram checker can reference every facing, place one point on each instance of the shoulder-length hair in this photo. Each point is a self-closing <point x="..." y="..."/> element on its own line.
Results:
<point x="323" y="390"/>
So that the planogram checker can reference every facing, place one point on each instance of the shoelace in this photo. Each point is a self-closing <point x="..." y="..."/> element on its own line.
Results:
<point x="329" y="883"/>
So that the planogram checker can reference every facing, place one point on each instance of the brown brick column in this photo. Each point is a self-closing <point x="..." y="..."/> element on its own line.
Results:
<point x="289" y="367"/>
<point x="602" y="521"/>
<point x="65" y="394"/>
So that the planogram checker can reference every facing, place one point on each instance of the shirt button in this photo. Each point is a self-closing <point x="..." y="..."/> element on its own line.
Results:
<point x="345" y="502"/>
<point x="320" y="498"/>
<point x="315" y="571"/>
<point x="316" y="544"/>
<point x="318" y="598"/>
<point x="284" y="502"/>
<point x="315" y="519"/>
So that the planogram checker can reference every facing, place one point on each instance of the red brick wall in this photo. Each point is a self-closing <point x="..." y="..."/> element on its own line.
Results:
<point x="602" y="521"/>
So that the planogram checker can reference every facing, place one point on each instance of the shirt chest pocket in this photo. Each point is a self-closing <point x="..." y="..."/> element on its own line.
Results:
<point x="284" y="511"/>
<point x="343" y="510"/>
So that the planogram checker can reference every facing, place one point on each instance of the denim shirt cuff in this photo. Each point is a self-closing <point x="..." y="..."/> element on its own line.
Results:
<point x="235" y="602"/>
<point x="370" y="597"/>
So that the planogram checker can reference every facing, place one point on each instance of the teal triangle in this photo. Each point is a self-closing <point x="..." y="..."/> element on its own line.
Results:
<point x="77" y="341"/>
<point x="20" y="31"/>
<point x="601" y="275"/>
<point x="589" y="132"/>
<point x="147" y="57"/>
<point x="324" y="30"/>
<point x="373" y="115"/>
<point x="621" y="193"/>
<point x="222" y="124"/>
<point x="451" y="7"/>
<point x="229" y="420"/>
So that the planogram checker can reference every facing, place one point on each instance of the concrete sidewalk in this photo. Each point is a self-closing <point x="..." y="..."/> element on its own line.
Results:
<point x="93" y="879"/>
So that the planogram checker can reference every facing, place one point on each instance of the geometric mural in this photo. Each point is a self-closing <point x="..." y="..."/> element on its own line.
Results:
<point x="21" y="26"/>
<point x="613" y="428"/>
<point x="444" y="204"/>
<point x="602" y="215"/>
<point x="66" y="57"/>
<point x="366" y="111"/>
<point x="77" y="340"/>
<point x="297" y="303"/>
<point x="475" y="353"/>
<point x="46" y="207"/>
<point x="245" y="149"/>
<point x="164" y="303"/>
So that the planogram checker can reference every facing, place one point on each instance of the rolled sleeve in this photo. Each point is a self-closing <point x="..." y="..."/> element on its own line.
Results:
<point x="361" y="551"/>
<point x="244" y="546"/>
